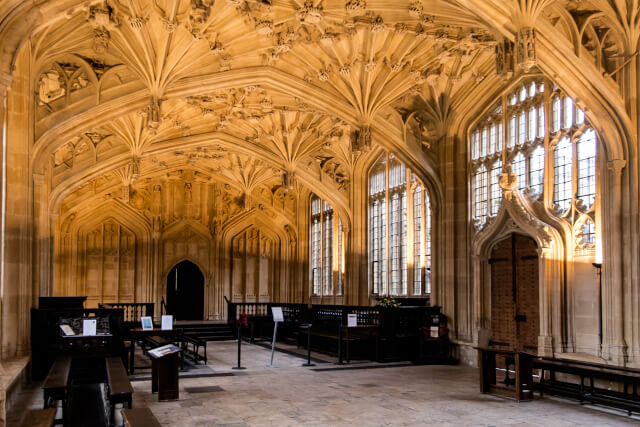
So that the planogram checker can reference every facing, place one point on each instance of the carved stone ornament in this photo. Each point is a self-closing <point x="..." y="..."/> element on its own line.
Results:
<point x="288" y="181"/>
<point x="361" y="139"/>
<point x="153" y="117"/>
<point x="526" y="48"/>
<point x="310" y="14"/>
<point x="504" y="59"/>
<point x="355" y="7"/>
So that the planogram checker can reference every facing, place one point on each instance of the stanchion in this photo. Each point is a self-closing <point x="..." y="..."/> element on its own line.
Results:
<point x="309" y="347"/>
<point x="340" y="344"/>
<point x="273" y="345"/>
<point x="239" y="347"/>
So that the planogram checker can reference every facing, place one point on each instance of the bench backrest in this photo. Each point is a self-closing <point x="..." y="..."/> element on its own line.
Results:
<point x="117" y="376"/>
<point x="58" y="376"/>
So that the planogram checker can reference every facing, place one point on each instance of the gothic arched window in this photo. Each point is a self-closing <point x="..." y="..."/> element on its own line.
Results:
<point x="567" y="142"/>
<point x="399" y="230"/>
<point x="325" y="236"/>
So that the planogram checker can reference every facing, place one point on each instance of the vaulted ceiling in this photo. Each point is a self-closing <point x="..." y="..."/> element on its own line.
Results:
<point x="277" y="94"/>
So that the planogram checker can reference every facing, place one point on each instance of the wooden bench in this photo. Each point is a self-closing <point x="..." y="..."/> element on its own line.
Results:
<point x="57" y="385"/>
<point x="40" y="418"/>
<point x="119" y="388"/>
<point x="627" y="399"/>
<point x="193" y="352"/>
<point x="139" y="417"/>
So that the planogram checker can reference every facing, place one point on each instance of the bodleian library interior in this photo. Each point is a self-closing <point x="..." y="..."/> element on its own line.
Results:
<point x="319" y="212"/>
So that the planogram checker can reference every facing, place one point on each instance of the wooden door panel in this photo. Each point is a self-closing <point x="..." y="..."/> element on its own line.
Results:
<point x="514" y="294"/>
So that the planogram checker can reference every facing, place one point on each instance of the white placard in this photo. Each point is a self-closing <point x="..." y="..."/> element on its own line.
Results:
<point x="165" y="349"/>
<point x="435" y="332"/>
<point x="277" y="314"/>
<point x="66" y="329"/>
<point x="147" y="323"/>
<point x="167" y="322"/>
<point x="88" y="327"/>
<point x="352" y="320"/>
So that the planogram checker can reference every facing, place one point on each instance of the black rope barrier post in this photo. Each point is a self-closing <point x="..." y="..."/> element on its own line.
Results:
<point x="308" y="326"/>
<point x="340" y="344"/>
<point x="239" y="323"/>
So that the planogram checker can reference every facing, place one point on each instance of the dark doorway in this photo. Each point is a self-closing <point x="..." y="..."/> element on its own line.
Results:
<point x="515" y="313"/>
<point x="185" y="292"/>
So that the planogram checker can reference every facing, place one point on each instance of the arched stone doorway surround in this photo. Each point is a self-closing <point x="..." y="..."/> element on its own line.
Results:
<point x="186" y="241"/>
<point x="516" y="216"/>
<point x="185" y="291"/>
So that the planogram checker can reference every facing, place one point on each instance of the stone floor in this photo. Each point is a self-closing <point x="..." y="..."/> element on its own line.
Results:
<point x="329" y="394"/>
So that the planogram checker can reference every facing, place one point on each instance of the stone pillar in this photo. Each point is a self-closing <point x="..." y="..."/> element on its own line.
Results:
<point x="42" y="265"/>
<point x="614" y="345"/>
<point x="5" y="83"/>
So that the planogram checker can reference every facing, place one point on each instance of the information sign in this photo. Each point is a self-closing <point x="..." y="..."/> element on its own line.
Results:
<point x="277" y="314"/>
<point x="352" y="320"/>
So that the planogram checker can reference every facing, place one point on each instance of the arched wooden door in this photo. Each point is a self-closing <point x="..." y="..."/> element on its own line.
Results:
<point x="185" y="292"/>
<point x="515" y="305"/>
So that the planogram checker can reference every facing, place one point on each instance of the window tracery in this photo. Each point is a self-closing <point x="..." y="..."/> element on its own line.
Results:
<point x="567" y="142"/>
<point x="326" y="250"/>
<point x="399" y="230"/>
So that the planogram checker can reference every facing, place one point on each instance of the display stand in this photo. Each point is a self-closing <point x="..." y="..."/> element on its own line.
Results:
<point x="277" y="318"/>
<point x="165" y="362"/>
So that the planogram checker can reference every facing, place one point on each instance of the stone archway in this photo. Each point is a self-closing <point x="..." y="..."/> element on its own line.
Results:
<point x="185" y="292"/>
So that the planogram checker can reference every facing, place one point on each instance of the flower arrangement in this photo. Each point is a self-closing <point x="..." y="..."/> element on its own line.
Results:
<point x="388" y="302"/>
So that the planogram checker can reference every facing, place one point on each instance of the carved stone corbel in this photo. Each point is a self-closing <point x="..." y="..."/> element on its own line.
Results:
<point x="526" y="57"/>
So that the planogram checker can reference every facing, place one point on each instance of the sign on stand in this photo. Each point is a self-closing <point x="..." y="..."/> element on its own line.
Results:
<point x="352" y="320"/>
<point x="277" y="318"/>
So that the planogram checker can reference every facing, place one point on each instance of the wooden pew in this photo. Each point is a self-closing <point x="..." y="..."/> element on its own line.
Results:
<point x="119" y="389"/>
<point x="629" y="378"/>
<point x="139" y="417"/>
<point x="57" y="385"/>
<point x="40" y="418"/>
<point x="193" y="352"/>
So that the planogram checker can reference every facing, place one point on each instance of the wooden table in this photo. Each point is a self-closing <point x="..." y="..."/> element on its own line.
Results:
<point x="137" y="334"/>
<point x="523" y="386"/>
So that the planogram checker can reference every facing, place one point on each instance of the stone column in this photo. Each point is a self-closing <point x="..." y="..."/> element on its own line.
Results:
<point x="614" y="345"/>
<point x="5" y="83"/>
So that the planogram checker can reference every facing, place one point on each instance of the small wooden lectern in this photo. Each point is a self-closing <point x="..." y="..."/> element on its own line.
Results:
<point x="165" y="362"/>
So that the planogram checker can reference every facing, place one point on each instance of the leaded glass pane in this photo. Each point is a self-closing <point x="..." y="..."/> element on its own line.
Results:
<point x="587" y="168"/>
<point x="417" y="241"/>
<point x="496" y="191"/>
<point x="568" y="113"/>
<point x="563" y="158"/>
<point x="520" y="170"/>
<point x="480" y="195"/>
<point x="556" y="113"/>
<point x="536" y="170"/>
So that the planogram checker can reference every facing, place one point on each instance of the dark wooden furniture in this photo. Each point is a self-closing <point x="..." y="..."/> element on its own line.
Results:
<point x="47" y="339"/>
<point x="119" y="388"/>
<point x="353" y="335"/>
<point x="398" y="329"/>
<point x="57" y="385"/>
<point x="164" y="375"/>
<point x="629" y="379"/>
<point x="139" y="417"/>
<point x="523" y="383"/>
<point x="139" y="334"/>
<point x="191" y="345"/>
<point x="40" y="418"/>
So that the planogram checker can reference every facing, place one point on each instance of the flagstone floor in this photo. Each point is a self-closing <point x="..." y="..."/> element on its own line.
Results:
<point x="327" y="395"/>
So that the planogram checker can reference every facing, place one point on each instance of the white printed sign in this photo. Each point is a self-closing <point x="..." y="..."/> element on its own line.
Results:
<point x="277" y="314"/>
<point x="147" y="323"/>
<point x="167" y="322"/>
<point x="88" y="327"/>
<point x="352" y="320"/>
